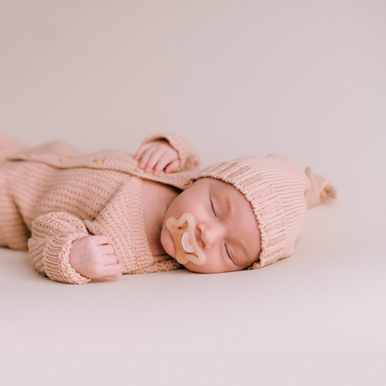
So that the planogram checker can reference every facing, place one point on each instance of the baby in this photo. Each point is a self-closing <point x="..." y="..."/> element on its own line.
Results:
<point x="86" y="217"/>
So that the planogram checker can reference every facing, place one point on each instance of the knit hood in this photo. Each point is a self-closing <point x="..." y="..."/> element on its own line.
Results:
<point x="279" y="192"/>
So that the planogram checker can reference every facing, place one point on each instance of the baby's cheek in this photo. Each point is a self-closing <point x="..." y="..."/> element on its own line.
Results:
<point x="208" y="267"/>
<point x="167" y="244"/>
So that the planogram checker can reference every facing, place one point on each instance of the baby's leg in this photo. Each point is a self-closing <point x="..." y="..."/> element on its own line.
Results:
<point x="9" y="146"/>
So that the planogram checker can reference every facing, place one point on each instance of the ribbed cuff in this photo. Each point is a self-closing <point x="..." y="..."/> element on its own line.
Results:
<point x="56" y="260"/>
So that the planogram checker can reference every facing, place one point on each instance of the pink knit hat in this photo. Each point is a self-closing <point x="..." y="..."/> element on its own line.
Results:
<point x="280" y="193"/>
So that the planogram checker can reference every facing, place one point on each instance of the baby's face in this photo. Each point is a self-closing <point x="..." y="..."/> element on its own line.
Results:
<point x="226" y="229"/>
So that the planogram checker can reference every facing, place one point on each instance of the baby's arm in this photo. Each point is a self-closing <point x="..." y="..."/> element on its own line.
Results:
<point x="169" y="153"/>
<point x="55" y="237"/>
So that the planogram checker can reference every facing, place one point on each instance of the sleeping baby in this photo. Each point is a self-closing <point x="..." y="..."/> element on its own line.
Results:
<point x="97" y="216"/>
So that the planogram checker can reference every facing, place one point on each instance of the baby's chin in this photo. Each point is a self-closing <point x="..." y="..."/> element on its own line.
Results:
<point x="196" y="268"/>
<point x="206" y="268"/>
<point x="189" y="267"/>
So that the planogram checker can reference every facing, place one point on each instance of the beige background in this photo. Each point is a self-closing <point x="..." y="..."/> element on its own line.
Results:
<point x="304" y="78"/>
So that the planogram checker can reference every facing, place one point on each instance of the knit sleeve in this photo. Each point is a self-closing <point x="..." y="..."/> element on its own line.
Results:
<point x="49" y="246"/>
<point x="189" y="160"/>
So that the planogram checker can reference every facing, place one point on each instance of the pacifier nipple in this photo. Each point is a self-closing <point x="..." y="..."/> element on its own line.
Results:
<point x="185" y="242"/>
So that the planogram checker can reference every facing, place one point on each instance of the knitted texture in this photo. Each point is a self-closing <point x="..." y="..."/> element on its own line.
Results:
<point x="279" y="193"/>
<point x="53" y="195"/>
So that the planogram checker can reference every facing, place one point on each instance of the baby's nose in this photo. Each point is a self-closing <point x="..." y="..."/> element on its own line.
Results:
<point x="208" y="235"/>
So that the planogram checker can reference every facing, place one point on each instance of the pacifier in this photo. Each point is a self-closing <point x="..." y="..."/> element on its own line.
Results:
<point x="184" y="238"/>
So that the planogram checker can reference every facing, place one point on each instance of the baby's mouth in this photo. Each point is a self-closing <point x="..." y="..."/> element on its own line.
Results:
<point x="182" y="232"/>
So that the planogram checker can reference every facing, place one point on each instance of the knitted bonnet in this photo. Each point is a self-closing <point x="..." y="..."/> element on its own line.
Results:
<point x="279" y="192"/>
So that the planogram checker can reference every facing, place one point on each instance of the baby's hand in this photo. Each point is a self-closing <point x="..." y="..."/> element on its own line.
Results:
<point x="93" y="257"/>
<point x="156" y="156"/>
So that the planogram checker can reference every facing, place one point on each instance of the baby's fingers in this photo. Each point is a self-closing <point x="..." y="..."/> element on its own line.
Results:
<point x="112" y="270"/>
<point x="154" y="159"/>
<point x="165" y="160"/>
<point x="106" y="278"/>
<point x="110" y="260"/>
<point x="141" y="150"/>
<point x="173" y="166"/>
<point x="147" y="159"/>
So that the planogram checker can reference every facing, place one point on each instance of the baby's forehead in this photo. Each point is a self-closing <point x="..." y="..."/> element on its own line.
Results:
<point x="212" y="182"/>
<point x="220" y="187"/>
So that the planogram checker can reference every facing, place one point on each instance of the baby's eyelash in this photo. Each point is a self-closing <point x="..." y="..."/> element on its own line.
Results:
<point x="212" y="206"/>
<point x="227" y="251"/>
